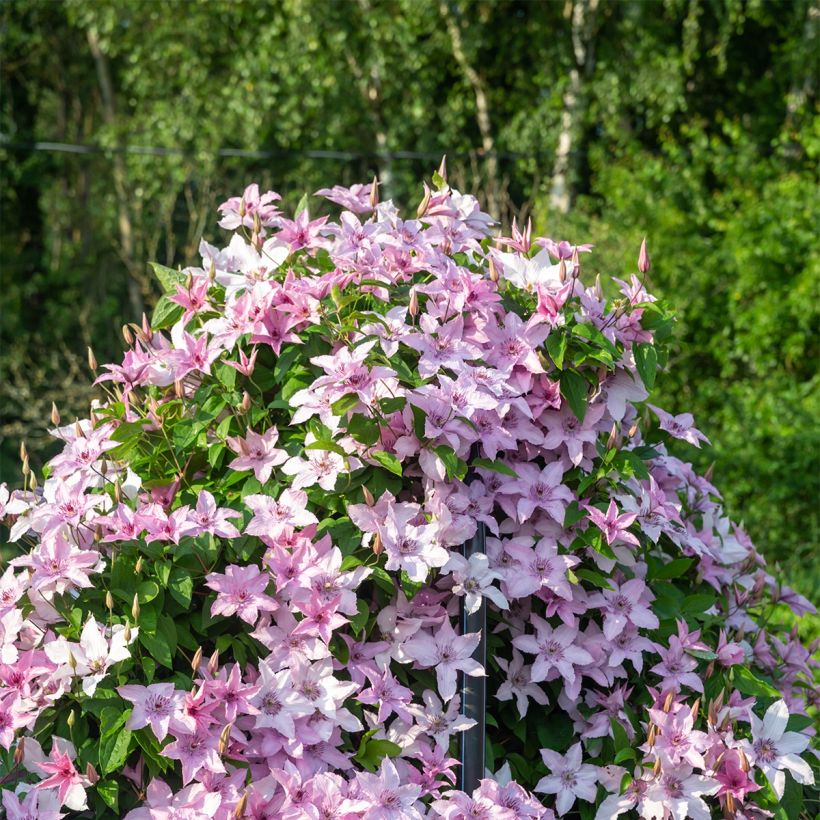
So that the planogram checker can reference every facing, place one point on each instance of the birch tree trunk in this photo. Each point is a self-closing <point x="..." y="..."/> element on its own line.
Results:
<point x="482" y="109"/>
<point x="582" y="14"/>
<point x="136" y="282"/>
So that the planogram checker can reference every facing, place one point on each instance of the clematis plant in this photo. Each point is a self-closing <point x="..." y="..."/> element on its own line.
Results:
<point x="235" y="592"/>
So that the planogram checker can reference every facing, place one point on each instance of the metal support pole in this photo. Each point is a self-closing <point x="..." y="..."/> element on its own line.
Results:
<point x="473" y="690"/>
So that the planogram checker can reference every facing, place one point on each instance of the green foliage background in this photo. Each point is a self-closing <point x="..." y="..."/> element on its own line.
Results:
<point x="693" y="122"/>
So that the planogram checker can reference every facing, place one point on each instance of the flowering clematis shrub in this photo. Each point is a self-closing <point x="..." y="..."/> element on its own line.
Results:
<point x="235" y="592"/>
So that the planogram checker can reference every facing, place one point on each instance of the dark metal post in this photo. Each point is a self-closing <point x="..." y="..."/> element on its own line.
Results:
<point x="473" y="690"/>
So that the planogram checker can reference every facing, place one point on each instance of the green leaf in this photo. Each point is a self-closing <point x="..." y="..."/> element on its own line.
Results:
<point x="556" y="732"/>
<point x="624" y="754"/>
<point x="364" y="430"/>
<point x="168" y="277"/>
<point x="347" y="402"/>
<point x="303" y="203"/>
<point x="701" y="654"/>
<point x="166" y="313"/>
<point x="388" y="461"/>
<point x="147" y="591"/>
<point x="573" y="514"/>
<point x="390" y="406"/>
<point x="698" y="604"/>
<point x="557" y="347"/>
<point x="574" y="390"/>
<point x="113" y="750"/>
<point x="372" y="751"/>
<point x="619" y="735"/>
<point x="359" y="620"/>
<point x="325" y="444"/>
<point x="495" y="466"/>
<point x="595" y="578"/>
<point x="799" y="722"/>
<point x="163" y="645"/>
<point x="646" y="360"/>
<point x="149" y="668"/>
<point x="181" y="586"/>
<point x="455" y="467"/>
<point x="747" y="683"/>
<point x="109" y="791"/>
<point x="674" y="569"/>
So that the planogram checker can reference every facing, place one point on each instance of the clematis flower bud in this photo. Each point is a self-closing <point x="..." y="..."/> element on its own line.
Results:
<point x="368" y="497"/>
<point x="225" y="738"/>
<point x="576" y="263"/>
<point x="442" y="168"/>
<point x="643" y="258"/>
<point x="92" y="360"/>
<point x="562" y="271"/>
<point x="413" y="307"/>
<point x="213" y="663"/>
<point x="135" y="608"/>
<point x="374" y="192"/>
<point x="126" y="633"/>
<point x="494" y="277"/>
<point x="138" y="566"/>
<point x="109" y="600"/>
<point x="246" y="402"/>
<point x="23" y="451"/>
<point x="55" y="415"/>
<point x="239" y="810"/>
<point x="613" y="437"/>
<point x="72" y="719"/>
<point x="91" y="774"/>
<point x="377" y="544"/>
<point x="425" y="202"/>
<point x="197" y="659"/>
<point x="19" y="751"/>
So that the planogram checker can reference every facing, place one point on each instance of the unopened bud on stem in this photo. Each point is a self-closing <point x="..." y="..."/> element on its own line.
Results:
<point x="246" y="402"/>
<point x="374" y="192"/>
<point x="197" y="659"/>
<point x="92" y="360"/>
<point x="562" y="270"/>
<point x="135" y="608"/>
<point x="425" y="202"/>
<point x="225" y="738"/>
<point x="643" y="258"/>
<point x="55" y="414"/>
<point x="109" y="600"/>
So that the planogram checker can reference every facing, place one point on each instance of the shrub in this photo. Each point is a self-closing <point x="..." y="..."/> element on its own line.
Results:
<point x="235" y="593"/>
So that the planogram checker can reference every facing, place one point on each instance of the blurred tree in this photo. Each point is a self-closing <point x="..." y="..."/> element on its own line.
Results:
<point x="691" y="121"/>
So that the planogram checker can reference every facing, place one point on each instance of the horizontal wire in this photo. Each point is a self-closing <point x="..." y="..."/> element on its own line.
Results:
<point x="245" y="153"/>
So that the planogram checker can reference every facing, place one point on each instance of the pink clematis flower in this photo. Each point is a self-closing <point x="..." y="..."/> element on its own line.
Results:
<point x="257" y="452"/>
<point x="241" y="591"/>
<point x="448" y="653"/>
<point x="195" y="752"/>
<point x="570" y="778"/>
<point x="624" y="604"/>
<point x="272" y="516"/>
<point x="773" y="750"/>
<point x="70" y="784"/>
<point x="159" y="705"/>
<point x="681" y="426"/>
<point x="613" y="526"/>
<point x="207" y="517"/>
<point x="555" y="651"/>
